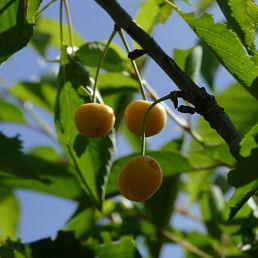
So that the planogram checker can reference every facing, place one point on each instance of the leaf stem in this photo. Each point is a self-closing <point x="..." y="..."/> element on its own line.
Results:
<point x="45" y="7"/>
<point x="146" y="119"/>
<point x="101" y="63"/>
<point x="136" y="70"/>
<point x="69" y="21"/>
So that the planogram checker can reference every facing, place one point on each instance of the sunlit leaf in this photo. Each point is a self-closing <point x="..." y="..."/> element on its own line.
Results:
<point x="10" y="113"/>
<point x="203" y="5"/>
<point x="9" y="214"/>
<point x="227" y="47"/>
<point x="243" y="18"/>
<point x="151" y="12"/>
<point x="91" y="53"/>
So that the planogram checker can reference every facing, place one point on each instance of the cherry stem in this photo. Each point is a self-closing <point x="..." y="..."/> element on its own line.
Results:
<point x="61" y="23"/>
<point x="146" y="119"/>
<point x="101" y="63"/>
<point x="136" y="70"/>
<point x="69" y="21"/>
<point x="44" y="8"/>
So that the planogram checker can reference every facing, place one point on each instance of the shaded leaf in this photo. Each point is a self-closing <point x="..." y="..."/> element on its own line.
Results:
<point x="10" y="113"/>
<point x="240" y="197"/>
<point x="161" y="205"/>
<point x="46" y="163"/>
<point x="244" y="177"/>
<point x="10" y="152"/>
<point x="212" y="205"/>
<point x="243" y="19"/>
<point x="209" y="67"/>
<point x="91" y="53"/>
<point x="17" y="21"/>
<point x="65" y="245"/>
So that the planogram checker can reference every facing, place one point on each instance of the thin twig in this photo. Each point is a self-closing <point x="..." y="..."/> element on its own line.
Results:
<point x="204" y="103"/>
<point x="185" y="244"/>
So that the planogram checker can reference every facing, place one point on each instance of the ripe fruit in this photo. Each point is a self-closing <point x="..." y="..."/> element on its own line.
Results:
<point x="140" y="178"/>
<point x="94" y="119"/>
<point x="134" y="118"/>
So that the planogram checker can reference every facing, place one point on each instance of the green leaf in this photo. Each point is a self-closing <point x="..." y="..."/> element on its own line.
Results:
<point x="172" y="163"/>
<point x="189" y="61"/>
<point x="65" y="245"/>
<point x="151" y="12"/>
<point x="124" y="248"/>
<point x="41" y="93"/>
<point x="91" y="157"/>
<point x="220" y="153"/>
<point x="244" y="176"/>
<point x="46" y="163"/>
<point x="161" y="205"/>
<point x="180" y="56"/>
<point x="91" y="53"/>
<point x="10" y="113"/>
<point x="243" y="19"/>
<point x="203" y="5"/>
<point x="17" y="20"/>
<point x="249" y="142"/>
<point x="11" y="249"/>
<point x="212" y="205"/>
<point x="225" y="44"/>
<point x="240" y="197"/>
<point x="47" y="33"/>
<point x="9" y="214"/>
<point x="209" y="67"/>
<point x="82" y="223"/>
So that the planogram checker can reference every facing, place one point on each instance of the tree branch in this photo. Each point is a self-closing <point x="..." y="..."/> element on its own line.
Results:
<point x="204" y="103"/>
